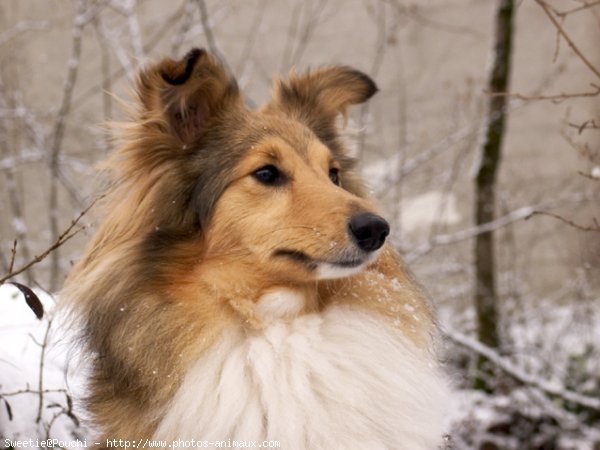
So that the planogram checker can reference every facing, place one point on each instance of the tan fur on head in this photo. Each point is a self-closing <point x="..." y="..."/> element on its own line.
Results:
<point x="191" y="240"/>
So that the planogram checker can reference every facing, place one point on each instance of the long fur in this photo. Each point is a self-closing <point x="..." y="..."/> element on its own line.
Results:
<point x="339" y="379"/>
<point x="207" y="300"/>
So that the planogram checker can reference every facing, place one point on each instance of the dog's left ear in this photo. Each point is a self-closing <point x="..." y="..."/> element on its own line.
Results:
<point x="316" y="98"/>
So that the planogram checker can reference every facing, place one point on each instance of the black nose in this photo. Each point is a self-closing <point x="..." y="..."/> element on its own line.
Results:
<point x="368" y="231"/>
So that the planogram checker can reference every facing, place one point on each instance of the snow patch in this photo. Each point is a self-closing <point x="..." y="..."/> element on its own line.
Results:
<point x="420" y="212"/>
<point x="21" y="335"/>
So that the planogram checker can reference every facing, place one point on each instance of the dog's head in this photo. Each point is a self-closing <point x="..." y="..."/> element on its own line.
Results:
<point x="274" y="186"/>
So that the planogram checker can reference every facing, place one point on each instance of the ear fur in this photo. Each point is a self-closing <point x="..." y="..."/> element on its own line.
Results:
<point x="316" y="98"/>
<point x="187" y="94"/>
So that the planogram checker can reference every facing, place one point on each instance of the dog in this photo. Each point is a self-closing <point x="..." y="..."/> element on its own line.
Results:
<point x="240" y="286"/>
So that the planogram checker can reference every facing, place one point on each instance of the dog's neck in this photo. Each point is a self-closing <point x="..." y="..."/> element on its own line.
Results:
<point x="254" y="297"/>
<point x="277" y="303"/>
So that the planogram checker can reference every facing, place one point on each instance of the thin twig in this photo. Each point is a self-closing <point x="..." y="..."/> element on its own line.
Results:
<point x="557" y="98"/>
<point x="583" y="149"/>
<point x="64" y="237"/>
<point x="32" y="391"/>
<point x="469" y="233"/>
<point x="587" y="125"/>
<point x="465" y="234"/>
<point x="564" y="14"/>
<point x="208" y="34"/>
<point x="106" y="84"/>
<point x="591" y="176"/>
<point x="186" y="24"/>
<point x="14" y="197"/>
<point x="291" y="36"/>
<point x="595" y="227"/>
<point x="152" y="42"/>
<point x="250" y="39"/>
<point x="413" y="11"/>
<point x="81" y="19"/>
<point x="311" y="22"/>
<point x="114" y="39"/>
<point x="13" y="255"/>
<point x="133" y="26"/>
<point x="41" y="376"/>
<point x="548" y="10"/>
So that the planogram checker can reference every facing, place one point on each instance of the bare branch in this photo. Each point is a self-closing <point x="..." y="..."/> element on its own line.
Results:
<point x="519" y="374"/>
<point x="304" y="20"/>
<point x="81" y="18"/>
<point x="251" y="39"/>
<point x="582" y="148"/>
<point x="32" y="391"/>
<point x="13" y="254"/>
<point x="413" y="11"/>
<point x="64" y="237"/>
<point x="134" y="29"/>
<point x="312" y="20"/>
<point x="106" y="84"/>
<point x="41" y="375"/>
<point x="586" y="5"/>
<point x="114" y="39"/>
<point x="152" y="42"/>
<point x="548" y="10"/>
<point x="14" y="197"/>
<point x="24" y="157"/>
<point x="587" y="125"/>
<point x="186" y="24"/>
<point x="595" y="227"/>
<point x="204" y="18"/>
<point x="469" y="233"/>
<point x="522" y="213"/>
<point x="557" y="98"/>
<point x="208" y="33"/>
<point x="27" y="25"/>
<point x="426" y="155"/>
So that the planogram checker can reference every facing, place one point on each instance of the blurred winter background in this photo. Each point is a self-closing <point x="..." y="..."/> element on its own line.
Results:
<point x="491" y="181"/>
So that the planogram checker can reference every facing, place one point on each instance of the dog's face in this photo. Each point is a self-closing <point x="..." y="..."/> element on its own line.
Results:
<point x="273" y="187"/>
<point x="286" y="206"/>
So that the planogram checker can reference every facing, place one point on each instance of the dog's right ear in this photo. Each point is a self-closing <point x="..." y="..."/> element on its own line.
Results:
<point x="187" y="94"/>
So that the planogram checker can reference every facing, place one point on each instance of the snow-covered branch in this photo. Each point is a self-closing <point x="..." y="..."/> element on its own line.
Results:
<point x="519" y="374"/>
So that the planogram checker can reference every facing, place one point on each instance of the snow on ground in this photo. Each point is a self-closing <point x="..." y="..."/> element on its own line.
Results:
<point x="556" y="344"/>
<point x="20" y="354"/>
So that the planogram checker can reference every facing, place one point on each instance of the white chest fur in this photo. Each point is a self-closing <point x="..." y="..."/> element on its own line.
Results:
<point x="341" y="379"/>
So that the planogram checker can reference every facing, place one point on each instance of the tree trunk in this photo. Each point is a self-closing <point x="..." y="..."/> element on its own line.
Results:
<point x="485" y="288"/>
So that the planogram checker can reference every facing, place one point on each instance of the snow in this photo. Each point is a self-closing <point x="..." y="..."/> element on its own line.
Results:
<point x="20" y="353"/>
<point x="551" y="348"/>
<point x="420" y="212"/>
<point x="19" y="225"/>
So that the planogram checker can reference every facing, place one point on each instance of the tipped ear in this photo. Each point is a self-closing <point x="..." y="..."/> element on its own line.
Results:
<point x="317" y="98"/>
<point x="187" y="94"/>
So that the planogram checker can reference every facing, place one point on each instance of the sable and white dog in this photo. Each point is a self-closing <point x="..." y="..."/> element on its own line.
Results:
<point x="240" y="287"/>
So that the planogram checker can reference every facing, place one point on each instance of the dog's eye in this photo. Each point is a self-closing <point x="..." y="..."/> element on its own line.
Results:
<point x="269" y="175"/>
<point x="334" y="176"/>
